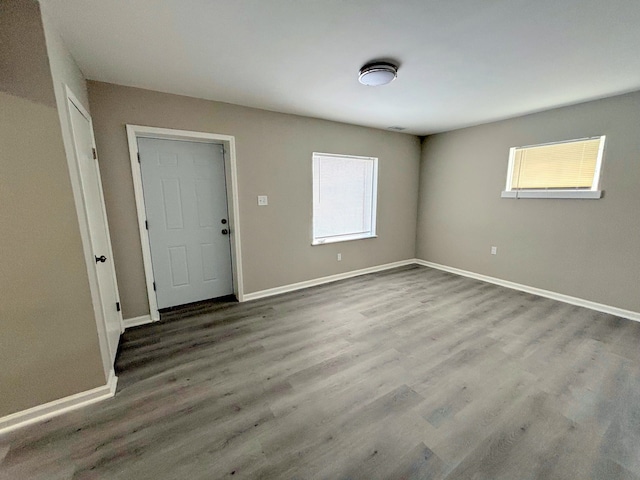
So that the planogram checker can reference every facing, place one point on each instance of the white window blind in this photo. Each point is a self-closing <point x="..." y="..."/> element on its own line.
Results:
<point x="568" y="169"/>
<point x="344" y="197"/>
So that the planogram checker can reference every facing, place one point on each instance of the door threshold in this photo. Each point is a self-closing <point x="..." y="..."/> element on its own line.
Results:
<point x="196" y="308"/>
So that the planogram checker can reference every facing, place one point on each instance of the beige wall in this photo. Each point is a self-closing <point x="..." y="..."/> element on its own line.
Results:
<point x="584" y="248"/>
<point x="48" y="338"/>
<point x="274" y="158"/>
<point x="23" y="53"/>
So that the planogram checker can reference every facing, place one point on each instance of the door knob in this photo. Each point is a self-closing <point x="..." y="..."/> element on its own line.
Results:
<point x="101" y="259"/>
<point x="225" y="231"/>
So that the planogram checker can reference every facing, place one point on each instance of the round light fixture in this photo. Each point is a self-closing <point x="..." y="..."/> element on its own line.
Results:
<point x="378" y="73"/>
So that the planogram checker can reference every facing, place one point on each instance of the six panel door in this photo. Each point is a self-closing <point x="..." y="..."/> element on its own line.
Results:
<point x="186" y="206"/>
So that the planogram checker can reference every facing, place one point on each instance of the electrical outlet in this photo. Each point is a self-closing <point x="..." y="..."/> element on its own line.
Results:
<point x="494" y="250"/>
<point x="339" y="257"/>
<point x="263" y="200"/>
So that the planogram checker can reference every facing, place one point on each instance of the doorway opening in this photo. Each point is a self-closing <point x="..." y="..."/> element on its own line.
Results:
<point x="185" y="186"/>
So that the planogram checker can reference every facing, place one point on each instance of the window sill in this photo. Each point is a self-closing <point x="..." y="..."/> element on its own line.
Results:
<point x="325" y="241"/>
<point x="576" y="194"/>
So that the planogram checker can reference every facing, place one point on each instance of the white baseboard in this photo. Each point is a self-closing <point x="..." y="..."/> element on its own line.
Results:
<point x="319" y="281"/>
<point x="82" y="399"/>
<point x="631" y="315"/>
<point x="581" y="302"/>
<point x="135" y="321"/>
<point x="58" y="407"/>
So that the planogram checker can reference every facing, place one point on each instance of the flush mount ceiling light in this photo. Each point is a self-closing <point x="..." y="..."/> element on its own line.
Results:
<point x="378" y="73"/>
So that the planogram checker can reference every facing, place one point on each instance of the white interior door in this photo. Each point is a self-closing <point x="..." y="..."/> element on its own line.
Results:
<point x="185" y="200"/>
<point x="98" y="229"/>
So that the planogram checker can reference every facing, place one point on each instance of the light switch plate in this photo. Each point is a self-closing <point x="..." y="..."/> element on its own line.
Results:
<point x="263" y="200"/>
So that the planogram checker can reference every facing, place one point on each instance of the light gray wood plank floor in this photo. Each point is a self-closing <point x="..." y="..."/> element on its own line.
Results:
<point x="410" y="373"/>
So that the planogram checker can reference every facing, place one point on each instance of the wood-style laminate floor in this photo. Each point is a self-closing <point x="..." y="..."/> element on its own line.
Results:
<point x="411" y="373"/>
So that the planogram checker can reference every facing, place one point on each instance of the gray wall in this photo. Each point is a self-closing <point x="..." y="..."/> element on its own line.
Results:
<point x="48" y="338"/>
<point x="274" y="158"/>
<point x="584" y="248"/>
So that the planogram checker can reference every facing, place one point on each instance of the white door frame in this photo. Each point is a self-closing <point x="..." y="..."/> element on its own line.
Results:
<point x="85" y="232"/>
<point x="229" y="142"/>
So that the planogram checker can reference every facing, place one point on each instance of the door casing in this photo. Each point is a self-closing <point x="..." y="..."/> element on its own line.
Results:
<point x="138" y="131"/>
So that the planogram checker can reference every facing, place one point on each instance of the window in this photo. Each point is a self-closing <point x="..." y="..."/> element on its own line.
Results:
<point x="568" y="169"/>
<point x="344" y="197"/>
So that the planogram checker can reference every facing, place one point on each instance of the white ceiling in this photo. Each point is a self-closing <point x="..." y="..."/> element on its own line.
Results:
<point x="462" y="62"/>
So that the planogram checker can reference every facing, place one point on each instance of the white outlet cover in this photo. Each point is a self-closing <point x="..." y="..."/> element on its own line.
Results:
<point x="494" y="250"/>
<point x="263" y="200"/>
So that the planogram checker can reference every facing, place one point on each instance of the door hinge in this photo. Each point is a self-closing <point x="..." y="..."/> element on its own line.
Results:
<point x="95" y="154"/>
<point x="118" y="306"/>
<point x="154" y="286"/>
<point x="138" y="157"/>
<point x="146" y="225"/>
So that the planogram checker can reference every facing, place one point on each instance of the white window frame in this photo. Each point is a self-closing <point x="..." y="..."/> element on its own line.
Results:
<point x="593" y="193"/>
<point x="374" y="202"/>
